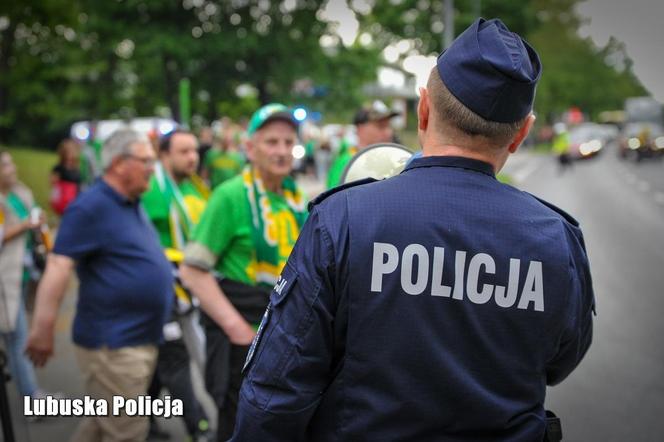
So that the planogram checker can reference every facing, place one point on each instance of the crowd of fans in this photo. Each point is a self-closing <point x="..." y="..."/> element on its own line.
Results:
<point x="226" y="210"/>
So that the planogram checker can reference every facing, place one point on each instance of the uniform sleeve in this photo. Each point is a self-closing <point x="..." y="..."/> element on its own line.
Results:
<point x="79" y="234"/>
<point x="214" y="232"/>
<point x="578" y="329"/>
<point x="292" y="359"/>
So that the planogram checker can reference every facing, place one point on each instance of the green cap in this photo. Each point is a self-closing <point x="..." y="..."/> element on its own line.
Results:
<point x="270" y="112"/>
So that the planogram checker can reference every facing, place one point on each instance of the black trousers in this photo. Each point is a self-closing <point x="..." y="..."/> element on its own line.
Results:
<point x="173" y="372"/>
<point x="223" y="377"/>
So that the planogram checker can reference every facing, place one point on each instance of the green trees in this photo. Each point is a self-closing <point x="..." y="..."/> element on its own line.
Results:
<point x="123" y="58"/>
<point x="576" y="73"/>
<point x="62" y="60"/>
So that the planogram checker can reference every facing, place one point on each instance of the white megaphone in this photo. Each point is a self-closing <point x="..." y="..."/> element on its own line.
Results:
<point x="378" y="161"/>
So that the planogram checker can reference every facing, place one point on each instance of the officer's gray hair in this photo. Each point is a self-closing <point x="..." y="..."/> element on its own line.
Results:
<point x="450" y="111"/>
<point x="120" y="144"/>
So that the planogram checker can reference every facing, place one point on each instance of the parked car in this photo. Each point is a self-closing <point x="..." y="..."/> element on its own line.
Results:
<point x="641" y="140"/>
<point x="101" y="129"/>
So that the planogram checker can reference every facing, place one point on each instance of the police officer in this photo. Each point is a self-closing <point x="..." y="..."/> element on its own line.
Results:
<point x="437" y="304"/>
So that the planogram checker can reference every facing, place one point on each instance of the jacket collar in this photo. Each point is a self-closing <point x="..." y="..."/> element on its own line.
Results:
<point x="450" y="161"/>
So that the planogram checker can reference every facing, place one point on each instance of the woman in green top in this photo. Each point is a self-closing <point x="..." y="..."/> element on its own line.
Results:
<point x="16" y="201"/>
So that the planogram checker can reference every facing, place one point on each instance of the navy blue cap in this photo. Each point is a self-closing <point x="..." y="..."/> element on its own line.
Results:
<point x="492" y="71"/>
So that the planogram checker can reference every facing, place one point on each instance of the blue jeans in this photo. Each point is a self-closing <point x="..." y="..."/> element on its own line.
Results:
<point x="19" y="365"/>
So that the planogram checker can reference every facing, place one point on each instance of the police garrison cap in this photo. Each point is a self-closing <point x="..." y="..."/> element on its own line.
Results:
<point x="492" y="71"/>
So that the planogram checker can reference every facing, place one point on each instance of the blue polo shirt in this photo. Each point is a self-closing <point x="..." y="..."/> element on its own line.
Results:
<point x="126" y="283"/>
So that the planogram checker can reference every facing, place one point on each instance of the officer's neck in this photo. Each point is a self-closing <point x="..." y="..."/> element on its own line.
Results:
<point x="495" y="157"/>
<point x="448" y="140"/>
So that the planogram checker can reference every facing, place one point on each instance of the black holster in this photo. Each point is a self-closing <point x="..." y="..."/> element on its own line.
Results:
<point x="554" y="429"/>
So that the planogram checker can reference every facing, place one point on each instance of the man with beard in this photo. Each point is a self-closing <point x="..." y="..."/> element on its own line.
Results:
<point x="174" y="204"/>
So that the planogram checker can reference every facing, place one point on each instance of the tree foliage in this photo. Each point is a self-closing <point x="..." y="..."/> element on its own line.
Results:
<point x="63" y="60"/>
<point x="575" y="71"/>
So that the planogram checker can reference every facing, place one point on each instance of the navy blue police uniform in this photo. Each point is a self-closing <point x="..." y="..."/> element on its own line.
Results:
<point x="445" y="323"/>
<point x="436" y="305"/>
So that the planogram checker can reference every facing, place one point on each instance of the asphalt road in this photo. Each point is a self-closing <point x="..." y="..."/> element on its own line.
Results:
<point x="617" y="392"/>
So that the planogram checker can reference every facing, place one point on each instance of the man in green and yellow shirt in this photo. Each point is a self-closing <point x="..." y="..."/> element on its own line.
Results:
<point x="174" y="203"/>
<point x="373" y="126"/>
<point x="177" y="196"/>
<point x="245" y="235"/>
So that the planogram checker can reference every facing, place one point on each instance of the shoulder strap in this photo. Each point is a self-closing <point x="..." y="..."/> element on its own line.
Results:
<point x="320" y="198"/>
<point x="569" y="218"/>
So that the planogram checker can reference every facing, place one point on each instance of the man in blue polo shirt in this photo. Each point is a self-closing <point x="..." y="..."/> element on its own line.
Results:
<point x="125" y="291"/>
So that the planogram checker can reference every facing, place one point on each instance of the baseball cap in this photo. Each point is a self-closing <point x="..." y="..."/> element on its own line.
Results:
<point x="376" y="111"/>
<point x="492" y="71"/>
<point x="270" y="112"/>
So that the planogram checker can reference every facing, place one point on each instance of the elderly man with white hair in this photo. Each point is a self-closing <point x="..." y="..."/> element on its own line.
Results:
<point x="125" y="290"/>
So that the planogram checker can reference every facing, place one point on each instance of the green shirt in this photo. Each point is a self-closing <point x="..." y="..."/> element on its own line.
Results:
<point x="16" y="205"/>
<point x="225" y="230"/>
<point x="223" y="238"/>
<point x="337" y="168"/>
<point x="90" y="162"/>
<point x="222" y="166"/>
<point x="158" y="205"/>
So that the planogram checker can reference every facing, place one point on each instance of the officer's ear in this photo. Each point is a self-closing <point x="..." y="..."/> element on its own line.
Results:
<point x="522" y="133"/>
<point x="423" y="110"/>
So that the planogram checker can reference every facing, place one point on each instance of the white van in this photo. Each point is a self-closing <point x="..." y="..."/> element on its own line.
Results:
<point x="102" y="129"/>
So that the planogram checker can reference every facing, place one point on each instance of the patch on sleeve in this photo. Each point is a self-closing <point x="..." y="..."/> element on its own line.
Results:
<point x="277" y="296"/>
<point x="320" y="198"/>
<point x="283" y="286"/>
<point x="257" y="338"/>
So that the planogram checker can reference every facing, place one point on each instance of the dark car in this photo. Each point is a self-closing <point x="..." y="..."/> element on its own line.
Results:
<point x="641" y="140"/>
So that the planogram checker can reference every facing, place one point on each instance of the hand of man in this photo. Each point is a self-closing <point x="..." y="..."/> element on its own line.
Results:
<point x="40" y="345"/>
<point x="215" y="303"/>
<point x="50" y="293"/>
